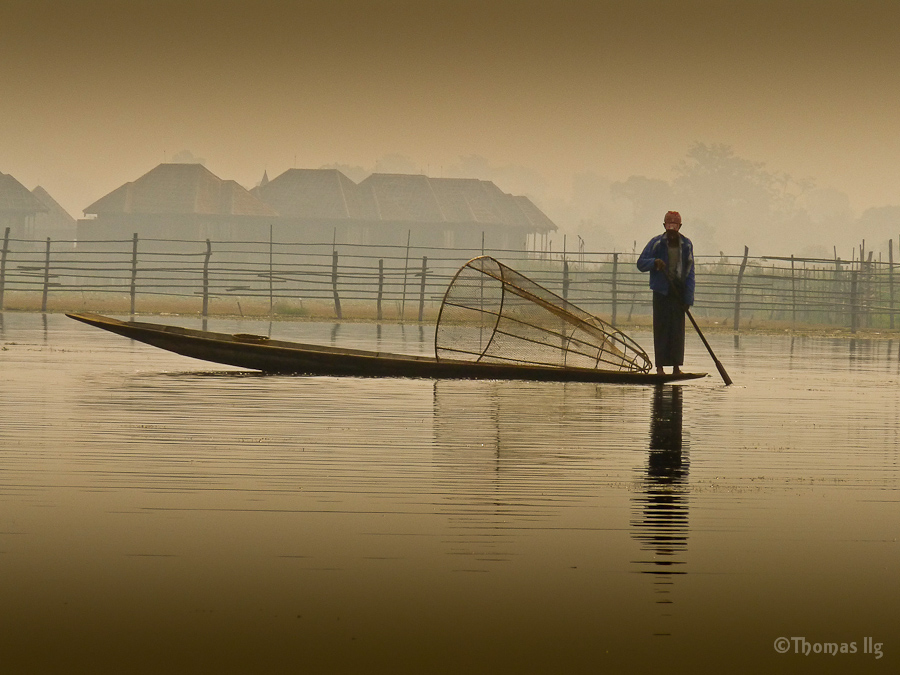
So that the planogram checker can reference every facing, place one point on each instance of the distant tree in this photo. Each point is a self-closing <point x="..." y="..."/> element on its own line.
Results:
<point x="826" y="206"/>
<point x="355" y="173"/>
<point x="877" y="225"/>
<point x="591" y="218"/>
<point x="650" y="198"/>
<point x="737" y="195"/>
<point x="395" y="163"/>
<point x="472" y="166"/>
<point x="512" y="178"/>
<point x="186" y="157"/>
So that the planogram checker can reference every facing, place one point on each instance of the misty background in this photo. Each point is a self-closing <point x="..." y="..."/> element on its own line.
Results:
<point x="767" y="124"/>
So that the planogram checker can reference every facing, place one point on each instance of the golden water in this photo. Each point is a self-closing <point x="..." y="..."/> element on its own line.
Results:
<point x="159" y="514"/>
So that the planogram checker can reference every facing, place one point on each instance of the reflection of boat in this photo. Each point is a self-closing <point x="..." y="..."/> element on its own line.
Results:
<point x="276" y="356"/>
<point x="508" y="478"/>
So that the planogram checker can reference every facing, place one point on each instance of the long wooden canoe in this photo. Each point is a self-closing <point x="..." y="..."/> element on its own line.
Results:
<point x="261" y="353"/>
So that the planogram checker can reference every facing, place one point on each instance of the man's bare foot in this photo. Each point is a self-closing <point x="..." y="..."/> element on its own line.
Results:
<point x="660" y="371"/>
<point x="676" y="370"/>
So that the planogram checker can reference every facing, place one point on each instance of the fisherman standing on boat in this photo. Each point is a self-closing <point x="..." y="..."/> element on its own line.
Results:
<point x="669" y="258"/>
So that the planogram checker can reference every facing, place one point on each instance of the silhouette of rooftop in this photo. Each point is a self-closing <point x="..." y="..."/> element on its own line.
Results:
<point x="180" y="189"/>
<point x="16" y="198"/>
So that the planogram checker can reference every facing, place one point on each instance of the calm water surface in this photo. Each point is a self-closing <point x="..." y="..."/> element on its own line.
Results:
<point x="160" y="515"/>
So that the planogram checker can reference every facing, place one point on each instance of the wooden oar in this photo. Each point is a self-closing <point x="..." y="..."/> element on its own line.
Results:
<point x="687" y="311"/>
<point x="718" y="363"/>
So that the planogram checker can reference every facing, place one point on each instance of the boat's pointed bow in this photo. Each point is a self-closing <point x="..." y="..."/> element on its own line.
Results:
<point x="91" y="319"/>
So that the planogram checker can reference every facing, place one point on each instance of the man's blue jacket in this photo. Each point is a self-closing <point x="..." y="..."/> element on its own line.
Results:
<point x="658" y="248"/>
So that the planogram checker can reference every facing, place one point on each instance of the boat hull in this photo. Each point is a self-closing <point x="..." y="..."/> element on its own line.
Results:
<point x="281" y="357"/>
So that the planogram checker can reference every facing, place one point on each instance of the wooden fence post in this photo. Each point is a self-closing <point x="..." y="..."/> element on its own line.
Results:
<point x="3" y="266"/>
<point x="46" y="277"/>
<point x="890" y="278"/>
<point x="334" y="282"/>
<point x="633" y="286"/>
<point x="838" y="291"/>
<point x="853" y="300"/>
<point x="869" y="289"/>
<point x="615" y="294"/>
<point x="422" y="288"/>
<point x="565" y="279"/>
<point x="380" y="285"/>
<point x="134" y="247"/>
<point x="206" y="278"/>
<point x="737" y="290"/>
<point x="405" y="270"/>
<point x="271" y="274"/>
<point x="793" y="295"/>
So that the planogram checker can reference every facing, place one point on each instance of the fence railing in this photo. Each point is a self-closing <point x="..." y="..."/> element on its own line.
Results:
<point x="408" y="283"/>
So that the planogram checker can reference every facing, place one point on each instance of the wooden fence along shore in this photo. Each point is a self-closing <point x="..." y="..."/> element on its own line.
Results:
<point x="408" y="283"/>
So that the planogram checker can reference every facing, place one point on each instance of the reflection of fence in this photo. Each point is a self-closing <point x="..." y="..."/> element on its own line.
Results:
<point x="287" y="277"/>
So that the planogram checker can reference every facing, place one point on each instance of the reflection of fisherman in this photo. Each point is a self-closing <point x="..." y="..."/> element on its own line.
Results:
<point x="669" y="257"/>
<point x="667" y="470"/>
<point x="661" y="522"/>
<point x="665" y="423"/>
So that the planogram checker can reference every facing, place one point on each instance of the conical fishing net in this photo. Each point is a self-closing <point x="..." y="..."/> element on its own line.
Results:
<point x="493" y="314"/>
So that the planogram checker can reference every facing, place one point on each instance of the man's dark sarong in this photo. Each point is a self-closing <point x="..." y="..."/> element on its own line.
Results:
<point x="668" y="330"/>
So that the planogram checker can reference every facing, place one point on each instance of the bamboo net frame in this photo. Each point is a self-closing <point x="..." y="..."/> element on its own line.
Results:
<point x="492" y="314"/>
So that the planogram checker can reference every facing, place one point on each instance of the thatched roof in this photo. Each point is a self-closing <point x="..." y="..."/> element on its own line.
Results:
<point x="15" y="197"/>
<point x="179" y="189"/>
<point x="325" y="194"/>
<point x="402" y="197"/>
<point x="329" y="194"/>
<point x="538" y="218"/>
<point x="469" y="200"/>
<point x="316" y="193"/>
<point x="452" y="200"/>
<point x="55" y="213"/>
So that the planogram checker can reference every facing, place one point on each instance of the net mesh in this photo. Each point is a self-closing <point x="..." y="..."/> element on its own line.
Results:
<point x="493" y="314"/>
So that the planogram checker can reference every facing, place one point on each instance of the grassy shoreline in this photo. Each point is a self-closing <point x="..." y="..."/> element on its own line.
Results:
<point x="365" y="312"/>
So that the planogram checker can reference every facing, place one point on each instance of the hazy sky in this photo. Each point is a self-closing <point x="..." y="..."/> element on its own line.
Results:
<point x="96" y="93"/>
